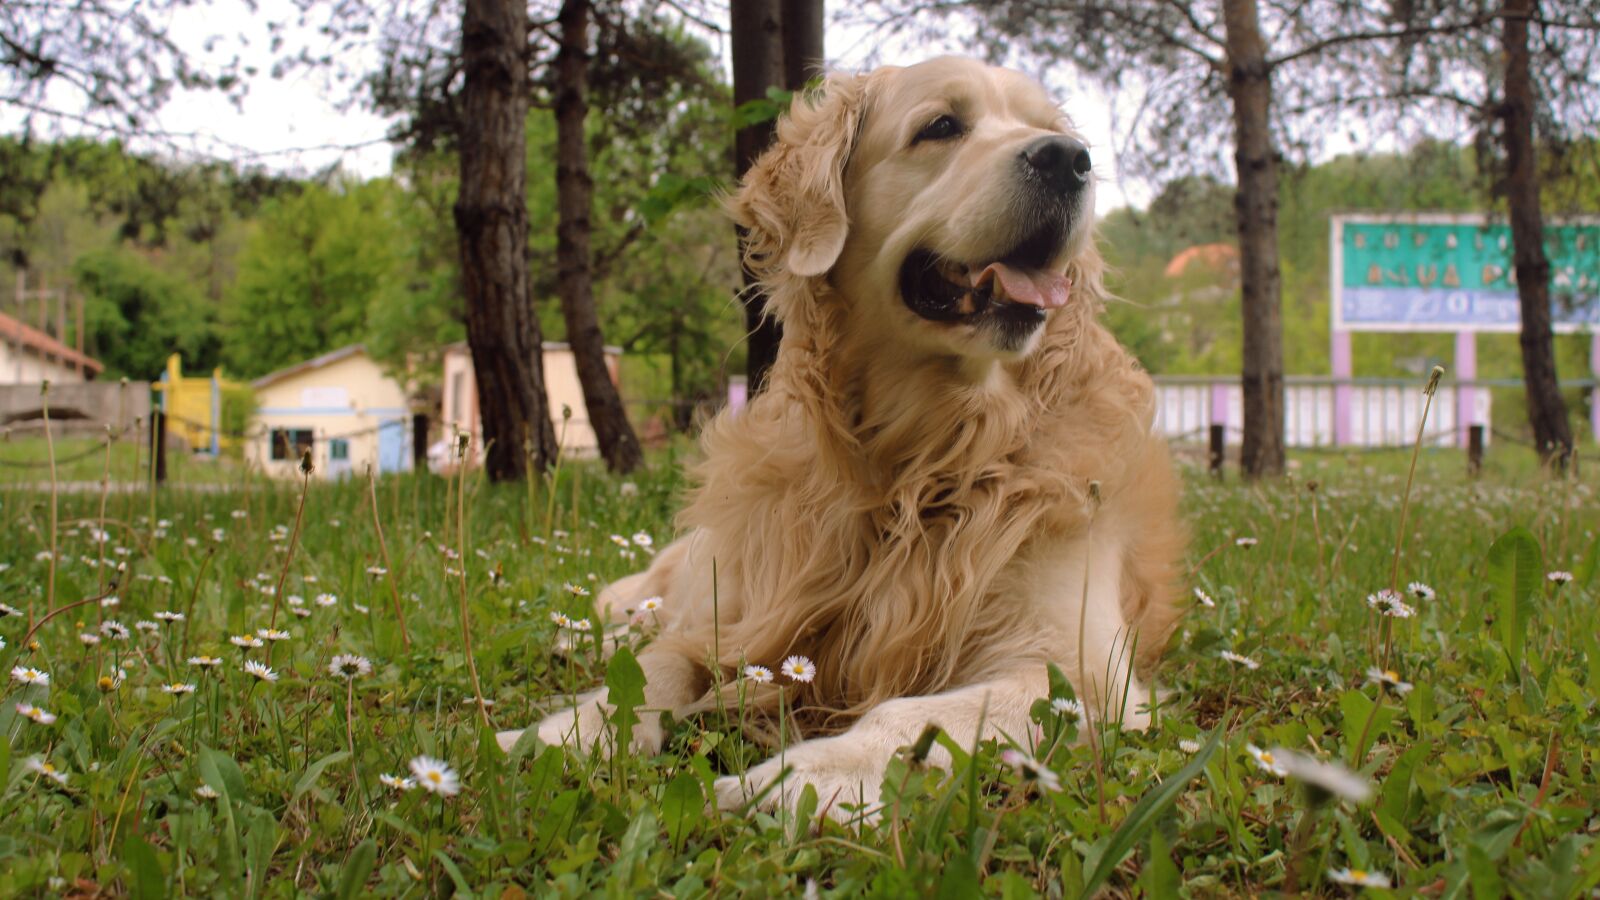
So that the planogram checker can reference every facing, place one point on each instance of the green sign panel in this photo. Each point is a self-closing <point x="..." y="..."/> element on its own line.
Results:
<point x="1455" y="273"/>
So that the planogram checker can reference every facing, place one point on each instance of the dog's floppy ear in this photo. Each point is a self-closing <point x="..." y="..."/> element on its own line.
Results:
<point x="792" y="200"/>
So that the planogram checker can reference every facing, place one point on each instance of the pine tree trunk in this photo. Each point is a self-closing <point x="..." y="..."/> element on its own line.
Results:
<point x="574" y="270"/>
<point x="1256" y="208"/>
<point x="1547" y="411"/>
<point x="802" y="42"/>
<point x="491" y="217"/>
<point x="757" y="37"/>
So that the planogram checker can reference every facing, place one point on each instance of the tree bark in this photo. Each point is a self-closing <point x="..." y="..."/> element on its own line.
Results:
<point x="574" y="263"/>
<point x="802" y="42"/>
<point x="757" y="37"/>
<point x="491" y="215"/>
<point x="1256" y="210"/>
<point x="1547" y="411"/>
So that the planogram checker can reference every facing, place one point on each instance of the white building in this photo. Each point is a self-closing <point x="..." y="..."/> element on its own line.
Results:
<point x="341" y="406"/>
<point x="460" y="404"/>
<point x="30" y="356"/>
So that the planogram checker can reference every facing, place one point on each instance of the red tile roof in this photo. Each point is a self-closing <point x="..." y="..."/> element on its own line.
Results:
<point x="15" y="332"/>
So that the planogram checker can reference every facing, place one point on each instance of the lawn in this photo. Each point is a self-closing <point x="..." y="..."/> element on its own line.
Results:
<point x="1482" y="774"/>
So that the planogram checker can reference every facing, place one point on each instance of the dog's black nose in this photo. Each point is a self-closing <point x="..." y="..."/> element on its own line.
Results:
<point x="1062" y="162"/>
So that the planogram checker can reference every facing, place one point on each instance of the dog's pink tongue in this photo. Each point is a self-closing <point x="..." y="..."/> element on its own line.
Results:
<point x="1035" y="287"/>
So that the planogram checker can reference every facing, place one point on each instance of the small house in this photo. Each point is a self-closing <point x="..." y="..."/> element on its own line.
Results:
<point x="30" y="356"/>
<point x="342" y="407"/>
<point x="459" y="409"/>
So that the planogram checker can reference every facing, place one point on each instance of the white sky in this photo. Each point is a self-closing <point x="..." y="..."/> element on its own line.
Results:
<point x="306" y="121"/>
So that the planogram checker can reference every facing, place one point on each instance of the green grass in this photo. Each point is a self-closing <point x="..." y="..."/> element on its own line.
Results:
<point x="1485" y="774"/>
<point x="83" y="460"/>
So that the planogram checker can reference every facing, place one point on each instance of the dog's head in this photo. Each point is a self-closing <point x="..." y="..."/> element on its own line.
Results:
<point x="949" y="204"/>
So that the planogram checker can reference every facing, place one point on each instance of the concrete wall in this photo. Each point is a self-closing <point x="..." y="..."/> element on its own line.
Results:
<point x="349" y="399"/>
<point x="82" y="407"/>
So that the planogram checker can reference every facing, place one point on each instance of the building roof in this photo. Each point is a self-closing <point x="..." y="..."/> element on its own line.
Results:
<point x="1214" y="257"/>
<point x="461" y="347"/>
<point x="315" y="362"/>
<point x="15" y="332"/>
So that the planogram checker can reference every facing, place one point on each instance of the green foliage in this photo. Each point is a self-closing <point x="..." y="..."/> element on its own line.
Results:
<point x="308" y="275"/>
<point x="1514" y="574"/>
<point x="137" y="315"/>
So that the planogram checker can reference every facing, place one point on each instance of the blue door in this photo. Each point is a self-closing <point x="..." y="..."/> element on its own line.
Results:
<point x="394" y="450"/>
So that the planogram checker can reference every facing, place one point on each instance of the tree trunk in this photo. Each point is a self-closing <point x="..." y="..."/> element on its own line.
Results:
<point x="1256" y="208"/>
<point x="757" y="37"/>
<point x="574" y="282"/>
<point x="1547" y="411"/>
<point x="491" y="216"/>
<point x="802" y="42"/>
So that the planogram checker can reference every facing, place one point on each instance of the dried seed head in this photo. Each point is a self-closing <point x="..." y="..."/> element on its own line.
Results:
<point x="461" y="445"/>
<point x="566" y="412"/>
<point x="1094" y="494"/>
<point x="1433" y="380"/>
<point x="305" y="462"/>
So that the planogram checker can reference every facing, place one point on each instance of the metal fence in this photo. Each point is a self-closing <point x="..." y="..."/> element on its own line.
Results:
<point x="1323" y="411"/>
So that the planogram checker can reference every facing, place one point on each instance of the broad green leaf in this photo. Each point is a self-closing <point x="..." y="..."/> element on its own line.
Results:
<point x="314" y="771"/>
<point x="356" y="870"/>
<point x="625" y="692"/>
<point x="463" y="887"/>
<point x="1357" y="709"/>
<point x="1514" y="573"/>
<point x="220" y="771"/>
<point x="1584" y="576"/>
<point x="681" y="805"/>
<point x="144" y="879"/>
<point x="960" y="879"/>
<point x="1145" y="814"/>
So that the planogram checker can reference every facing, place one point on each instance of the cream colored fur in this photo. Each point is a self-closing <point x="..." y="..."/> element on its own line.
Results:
<point x="907" y="504"/>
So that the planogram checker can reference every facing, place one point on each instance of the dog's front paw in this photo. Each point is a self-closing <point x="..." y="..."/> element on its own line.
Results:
<point x="586" y="726"/>
<point x="846" y="780"/>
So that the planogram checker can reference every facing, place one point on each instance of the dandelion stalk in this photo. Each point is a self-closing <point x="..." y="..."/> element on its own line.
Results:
<point x="1083" y="613"/>
<point x="294" y="539"/>
<point x="50" y="451"/>
<point x="383" y="549"/>
<point x="1416" y="450"/>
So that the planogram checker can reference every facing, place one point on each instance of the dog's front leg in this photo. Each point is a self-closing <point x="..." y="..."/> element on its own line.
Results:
<point x="847" y="769"/>
<point x="671" y="680"/>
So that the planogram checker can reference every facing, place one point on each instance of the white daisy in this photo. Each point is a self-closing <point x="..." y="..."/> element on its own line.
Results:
<point x="1245" y="542"/>
<point x="204" y="661"/>
<point x="349" y="665"/>
<point x="88" y="639"/>
<point x="435" y="776"/>
<point x="758" y="674"/>
<point x="300" y="612"/>
<point x="246" y="641"/>
<point x="1266" y="760"/>
<point x="296" y="600"/>
<point x="7" y="610"/>
<point x="1067" y="708"/>
<point x="650" y="604"/>
<point x="1239" y="659"/>
<point x="576" y="590"/>
<point x="1419" y="590"/>
<point x="1030" y="769"/>
<point x="580" y="624"/>
<point x="1388" y="679"/>
<point x="1205" y="599"/>
<point x="206" y="792"/>
<point x="1189" y="746"/>
<point x="167" y="615"/>
<point x="642" y="539"/>
<point x="177" y="688"/>
<point x="561" y="620"/>
<point x="359" y="608"/>
<point x="396" y="782"/>
<point x="36" y="713"/>
<point x="43" y="767"/>
<point x="260" y="671"/>
<point x="799" y="668"/>
<point x="110" y="602"/>
<point x="326" y="600"/>
<point x="1558" y="578"/>
<point x="377" y="570"/>
<point x="1328" y="778"/>
<point x="1359" y="877"/>
<point x="1389" y="603"/>
<point x="146" y="626"/>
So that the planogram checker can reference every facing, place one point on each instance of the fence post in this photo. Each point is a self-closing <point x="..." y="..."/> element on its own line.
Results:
<point x="1466" y="371"/>
<point x="1474" y="449"/>
<point x="419" y="442"/>
<point x="1218" y="449"/>
<point x="158" y="436"/>
<point x="1341" y="357"/>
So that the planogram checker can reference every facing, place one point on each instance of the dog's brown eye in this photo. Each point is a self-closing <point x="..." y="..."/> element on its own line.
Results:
<point x="940" y="129"/>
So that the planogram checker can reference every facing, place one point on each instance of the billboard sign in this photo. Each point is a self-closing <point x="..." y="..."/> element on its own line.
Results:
<point x="1454" y="273"/>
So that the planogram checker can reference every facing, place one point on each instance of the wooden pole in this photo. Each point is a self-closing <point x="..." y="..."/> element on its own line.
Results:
<point x="1474" y="450"/>
<point x="158" y="438"/>
<point x="1218" y="451"/>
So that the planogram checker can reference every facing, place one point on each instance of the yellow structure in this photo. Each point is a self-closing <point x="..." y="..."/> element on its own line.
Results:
<point x="341" y="406"/>
<point x="194" y="406"/>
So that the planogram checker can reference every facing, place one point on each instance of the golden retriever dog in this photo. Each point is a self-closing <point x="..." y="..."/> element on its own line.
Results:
<point x="951" y="479"/>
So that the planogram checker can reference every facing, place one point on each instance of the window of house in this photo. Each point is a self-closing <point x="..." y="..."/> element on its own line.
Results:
<point x="290" y="443"/>
<point x="338" y="449"/>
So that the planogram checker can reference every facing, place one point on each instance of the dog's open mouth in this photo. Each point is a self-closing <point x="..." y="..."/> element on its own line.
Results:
<point x="1017" y="287"/>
